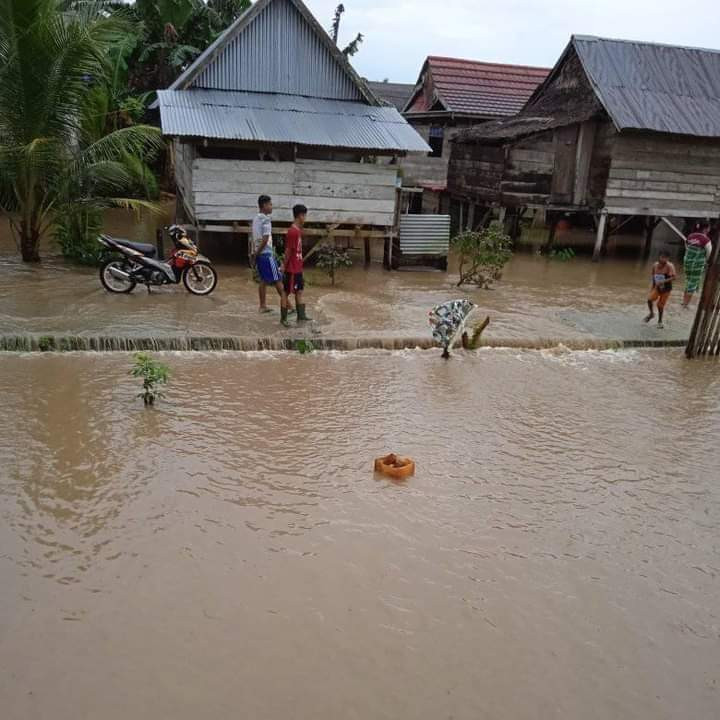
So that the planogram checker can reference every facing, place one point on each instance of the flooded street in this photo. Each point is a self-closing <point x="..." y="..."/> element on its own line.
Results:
<point x="538" y="299"/>
<point x="231" y="554"/>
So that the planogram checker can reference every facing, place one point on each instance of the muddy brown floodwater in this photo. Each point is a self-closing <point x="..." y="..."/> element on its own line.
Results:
<point x="230" y="554"/>
<point x="538" y="299"/>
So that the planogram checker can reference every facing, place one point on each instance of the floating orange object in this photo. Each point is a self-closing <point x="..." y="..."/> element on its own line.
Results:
<point x="394" y="466"/>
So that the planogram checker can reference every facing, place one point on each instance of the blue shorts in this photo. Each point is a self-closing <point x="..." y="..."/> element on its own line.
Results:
<point x="267" y="269"/>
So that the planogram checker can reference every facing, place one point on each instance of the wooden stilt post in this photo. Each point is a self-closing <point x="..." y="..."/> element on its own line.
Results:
<point x="393" y="232"/>
<point x="515" y="228"/>
<point x="601" y="235"/>
<point x="389" y="240"/>
<point x="179" y="209"/>
<point x="159" y="244"/>
<point x="367" y="246"/>
<point x="650" y="224"/>
<point x="551" y="236"/>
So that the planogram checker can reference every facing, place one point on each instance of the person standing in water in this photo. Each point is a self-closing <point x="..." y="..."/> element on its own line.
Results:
<point x="663" y="273"/>
<point x="293" y="263"/>
<point x="265" y="258"/>
<point x="698" y="248"/>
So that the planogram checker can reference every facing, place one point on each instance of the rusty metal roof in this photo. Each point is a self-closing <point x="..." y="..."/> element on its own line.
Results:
<point x="396" y="94"/>
<point x="647" y="86"/>
<point x="474" y="88"/>
<point x="277" y="118"/>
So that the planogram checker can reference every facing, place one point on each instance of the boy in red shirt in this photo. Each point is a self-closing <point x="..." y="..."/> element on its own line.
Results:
<point x="293" y="262"/>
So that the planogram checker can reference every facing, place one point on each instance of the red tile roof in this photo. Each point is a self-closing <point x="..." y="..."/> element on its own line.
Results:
<point x="479" y="88"/>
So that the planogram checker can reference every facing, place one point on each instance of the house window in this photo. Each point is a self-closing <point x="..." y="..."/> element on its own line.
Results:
<point x="435" y="141"/>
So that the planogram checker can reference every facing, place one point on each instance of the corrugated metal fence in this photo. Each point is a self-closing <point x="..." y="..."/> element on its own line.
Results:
<point x="424" y="234"/>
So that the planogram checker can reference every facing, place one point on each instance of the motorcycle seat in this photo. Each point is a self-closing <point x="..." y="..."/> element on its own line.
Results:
<point x="144" y="248"/>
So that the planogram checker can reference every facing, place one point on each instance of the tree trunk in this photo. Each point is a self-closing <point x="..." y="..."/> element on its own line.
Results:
<point x="29" y="244"/>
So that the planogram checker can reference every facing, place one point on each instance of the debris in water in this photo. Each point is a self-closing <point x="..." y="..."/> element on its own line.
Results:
<point x="448" y="322"/>
<point x="395" y="466"/>
<point x="473" y="343"/>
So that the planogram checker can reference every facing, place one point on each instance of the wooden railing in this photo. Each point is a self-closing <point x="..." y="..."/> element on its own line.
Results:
<point x="705" y="334"/>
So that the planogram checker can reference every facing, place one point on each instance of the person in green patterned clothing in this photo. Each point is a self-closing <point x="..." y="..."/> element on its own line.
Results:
<point x="697" y="251"/>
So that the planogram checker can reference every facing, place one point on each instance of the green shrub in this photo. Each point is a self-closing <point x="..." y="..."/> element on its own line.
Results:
<point x="46" y="343"/>
<point x="331" y="258"/>
<point x="153" y="374"/>
<point x="76" y="233"/>
<point x="482" y="255"/>
<point x="304" y="347"/>
<point x="562" y="254"/>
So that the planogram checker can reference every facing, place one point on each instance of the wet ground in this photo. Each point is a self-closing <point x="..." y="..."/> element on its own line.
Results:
<point x="230" y="553"/>
<point x="538" y="299"/>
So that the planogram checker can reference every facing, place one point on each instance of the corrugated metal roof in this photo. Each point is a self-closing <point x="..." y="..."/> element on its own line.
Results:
<point x="275" y="118"/>
<point x="279" y="51"/>
<point x="647" y="86"/>
<point x="396" y="94"/>
<point x="276" y="46"/>
<point x="478" y="88"/>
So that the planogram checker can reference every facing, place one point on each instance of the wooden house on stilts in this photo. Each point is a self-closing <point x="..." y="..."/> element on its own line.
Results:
<point x="618" y="129"/>
<point x="273" y="107"/>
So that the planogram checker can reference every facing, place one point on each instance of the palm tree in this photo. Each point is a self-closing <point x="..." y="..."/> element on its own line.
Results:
<point x="174" y="33"/>
<point x="52" y="54"/>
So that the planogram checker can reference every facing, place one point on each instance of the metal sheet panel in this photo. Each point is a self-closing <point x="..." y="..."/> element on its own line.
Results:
<point x="279" y="52"/>
<point x="646" y="86"/>
<point x="424" y="234"/>
<point x="293" y="119"/>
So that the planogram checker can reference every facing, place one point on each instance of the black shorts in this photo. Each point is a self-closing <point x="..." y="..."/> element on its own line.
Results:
<point x="293" y="282"/>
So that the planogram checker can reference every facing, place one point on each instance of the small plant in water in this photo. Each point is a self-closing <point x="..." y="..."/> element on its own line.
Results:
<point x="153" y="374"/>
<point x="304" y="346"/>
<point x="482" y="255"/>
<point x="46" y="343"/>
<point x="562" y="254"/>
<point x="331" y="259"/>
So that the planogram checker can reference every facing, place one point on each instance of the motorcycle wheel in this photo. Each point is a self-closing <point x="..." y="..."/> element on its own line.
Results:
<point x="200" y="278"/>
<point x="114" y="284"/>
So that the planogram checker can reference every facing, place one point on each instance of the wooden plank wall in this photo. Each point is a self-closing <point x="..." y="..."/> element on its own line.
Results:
<point x="528" y="171"/>
<point x="664" y="175"/>
<point x="476" y="171"/>
<point x="566" y="156"/>
<point x="184" y="156"/>
<point x="603" y="143"/>
<point x="334" y="192"/>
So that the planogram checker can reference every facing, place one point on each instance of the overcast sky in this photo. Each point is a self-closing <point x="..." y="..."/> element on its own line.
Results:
<point x="399" y="34"/>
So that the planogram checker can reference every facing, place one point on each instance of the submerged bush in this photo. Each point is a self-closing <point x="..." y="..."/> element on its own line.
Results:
<point x="46" y="343"/>
<point x="153" y="374"/>
<point x="482" y="255"/>
<point x="331" y="259"/>
<point x="562" y="254"/>
<point x="304" y="347"/>
<point x="76" y="233"/>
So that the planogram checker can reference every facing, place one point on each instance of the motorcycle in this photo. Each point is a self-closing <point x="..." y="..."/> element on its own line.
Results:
<point x="139" y="264"/>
